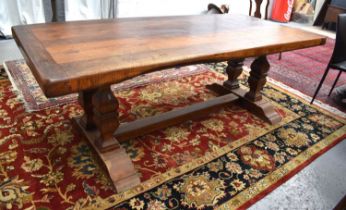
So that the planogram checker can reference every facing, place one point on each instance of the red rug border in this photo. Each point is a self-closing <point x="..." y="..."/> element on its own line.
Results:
<point x="284" y="179"/>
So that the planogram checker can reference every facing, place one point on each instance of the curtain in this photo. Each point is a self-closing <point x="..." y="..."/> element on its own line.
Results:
<point x="16" y="12"/>
<point x="58" y="10"/>
<point x="90" y="9"/>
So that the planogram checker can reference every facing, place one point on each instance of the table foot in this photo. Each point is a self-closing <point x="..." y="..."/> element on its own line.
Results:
<point x="261" y="108"/>
<point x="251" y="100"/>
<point x="116" y="162"/>
<point x="98" y="125"/>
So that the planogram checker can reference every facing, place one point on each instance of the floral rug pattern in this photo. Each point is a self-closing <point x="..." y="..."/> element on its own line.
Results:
<point x="224" y="160"/>
<point x="34" y="99"/>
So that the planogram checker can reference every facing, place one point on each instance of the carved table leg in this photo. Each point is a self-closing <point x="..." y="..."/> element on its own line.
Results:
<point x="258" y="9"/>
<point x="101" y="112"/>
<point x="257" y="79"/>
<point x="106" y="118"/>
<point x="251" y="100"/>
<point x="233" y="70"/>
<point x="84" y="99"/>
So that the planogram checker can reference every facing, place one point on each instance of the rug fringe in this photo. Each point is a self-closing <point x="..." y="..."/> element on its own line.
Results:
<point x="15" y="89"/>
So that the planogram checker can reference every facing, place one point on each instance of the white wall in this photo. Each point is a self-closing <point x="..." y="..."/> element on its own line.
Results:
<point x="16" y="12"/>
<point x="82" y="9"/>
<point x="13" y="12"/>
<point x="88" y="9"/>
<point x="142" y="8"/>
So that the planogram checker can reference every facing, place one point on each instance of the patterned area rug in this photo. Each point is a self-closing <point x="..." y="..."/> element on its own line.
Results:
<point x="30" y="92"/>
<point x="228" y="160"/>
<point x="301" y="69"/>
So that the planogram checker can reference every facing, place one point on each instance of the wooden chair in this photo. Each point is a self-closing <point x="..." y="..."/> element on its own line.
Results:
<point x="338" y="59"/>
<point x="255" y="8"/>
<point x="213" y="9"/>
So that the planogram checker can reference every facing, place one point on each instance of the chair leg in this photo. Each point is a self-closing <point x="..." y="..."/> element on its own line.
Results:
<point x="280" y="55"/>
<point x="319" y="85"/>
<point x="337" y="78"/>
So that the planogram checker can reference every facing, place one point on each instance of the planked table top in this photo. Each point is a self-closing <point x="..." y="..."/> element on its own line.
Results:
<point x="75" y="56"/>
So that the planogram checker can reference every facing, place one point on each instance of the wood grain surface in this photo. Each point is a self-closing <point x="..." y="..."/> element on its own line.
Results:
<point x="75" y="56"/>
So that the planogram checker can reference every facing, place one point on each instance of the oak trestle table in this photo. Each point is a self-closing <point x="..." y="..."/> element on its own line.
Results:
<point x="88" y="56"/>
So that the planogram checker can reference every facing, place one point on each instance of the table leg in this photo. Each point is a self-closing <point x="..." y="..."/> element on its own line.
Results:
<point x="257" y="79"/>
<point x="105" y="116"/>
<point x="251" y="100"/>
<point x="233" y="70"/>
<point x="85" y="100"/>
<point x="101" y="113"/>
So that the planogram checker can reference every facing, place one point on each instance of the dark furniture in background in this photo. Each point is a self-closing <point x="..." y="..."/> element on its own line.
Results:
<point x="213" y="9"/>
<point x="255" y="8"/>
<point x="256" y="11"/>
<point x="338" y="59"/>
<point x="332" y="14"/>
<point x="322" y="13"/>
<point x="58" y="10"/>
<point x="329" y="12"/>
<point x="339" y="3"/>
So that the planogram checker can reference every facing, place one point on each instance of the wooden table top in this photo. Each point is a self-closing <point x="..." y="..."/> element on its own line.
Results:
<point x="75" y="56"/>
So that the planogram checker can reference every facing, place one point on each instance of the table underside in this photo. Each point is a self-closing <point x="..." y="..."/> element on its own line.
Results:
<point x="100" y="123"/>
